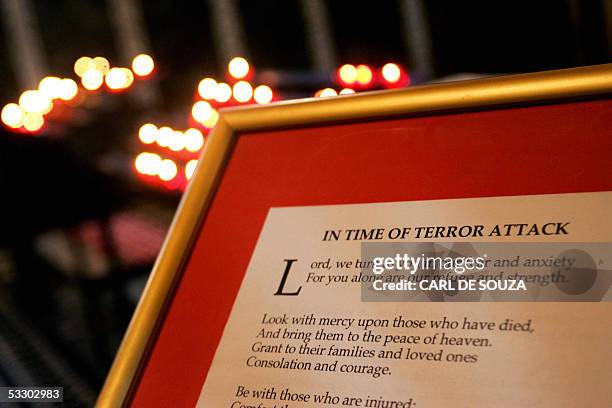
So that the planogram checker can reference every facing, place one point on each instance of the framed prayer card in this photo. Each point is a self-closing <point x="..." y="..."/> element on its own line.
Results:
<point x="442" y="245"/>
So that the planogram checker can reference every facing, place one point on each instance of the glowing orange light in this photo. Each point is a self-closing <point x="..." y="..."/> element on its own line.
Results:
<point x="210" y="122"/>
<point x="190" y="168"/>
<point x="83" y="65"/>
<point x="167" y="170"/>
<point x="101" y="65"/>
<point x="201" y="111"/>
<point x="364" y="74"/>
<point x="143" y="65"/>
<point x="391" y="72"/>
<point x="92" y="80"/>
<point x="207" y="88"/>
<point x="129" y="76"/>
<point x="348" y="74"/>
<point x="140" y="163"/>
<point x="115" y="79"/>
<point x="12" y="115"/>
<point x="238" y="67"/>
<point x="51" y="87"/>
<point x="33" y="121"/>
<point x="347" y="91"/>
<point x="243" y="91"/>
<point x="119" y="78"/>
<point x="147" y="133"/>
<point x="194" y="140"/>
<point x="148" y="163"/>
<point x="48" y="109"/>
<point x="223" y="92"/>
<point x="177" y="143"/>
<point x="327" y="92"/>
<point x="263" y="94"/>
<point x="164" y="136"/>
<point x="69" y="89"/>
<point x="35" y="101"/>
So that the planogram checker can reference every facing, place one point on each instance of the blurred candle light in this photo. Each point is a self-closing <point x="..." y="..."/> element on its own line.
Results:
<point x="212" y="121"/>
<point x="83" y="65"/>
<point x="33" y="121"/>
<point x="148" y="163"/>
<point x="51" y="87"/>
<point x="223" y="93"/>
<point x="167" y="170"/>
<point x="48" y="108"/>
<point x="119" y="78"/>
<point x="101" y="65"/>
<point x="391" y="72"/>
<point x="177" y="143"/>
<point x="327" y="92"/>
<point x="129" y="76"/>
<point x="92" y="80"/>
<point x="201" y="111"/>
<point x="12" y="115"/>
<point x="243" y="91"/>
<point x="347" y="74"/>
<point x="140" y="163"/>
<point x="194" y="140"/>
<point x="69" y="89"/>
<point x="115" y="79"/>
<point x="143" y="65"/>
<point x="364" y="74"/>
<point x="190" y="168"/>
<point x="147" y="133"/>
<point x="238" y="67"/>
<point x="207" y="88"/>
<point x="263" y="94"/>
<point x="34" y="101"/>
<point x="164" y="136"/>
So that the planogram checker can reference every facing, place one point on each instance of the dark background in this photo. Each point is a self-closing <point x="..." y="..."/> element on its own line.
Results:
<point x="79" y="233"/>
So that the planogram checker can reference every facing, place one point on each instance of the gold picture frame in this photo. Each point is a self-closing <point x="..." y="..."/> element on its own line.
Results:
<point x="536" y="88"/>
